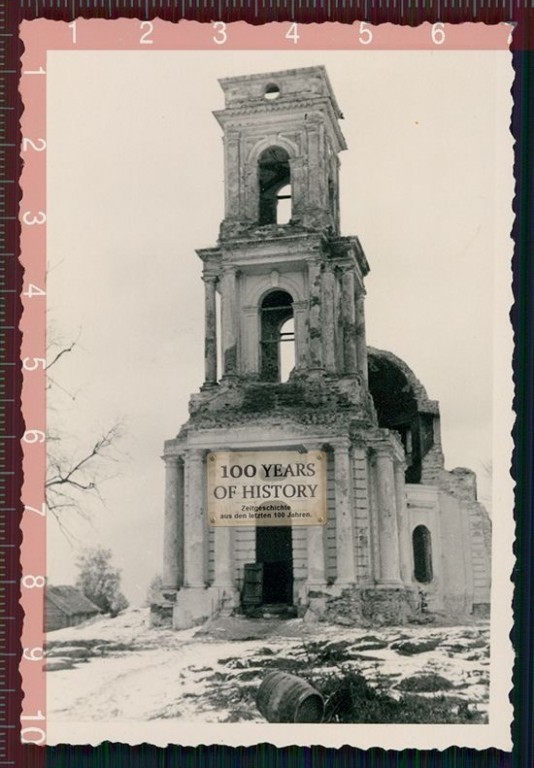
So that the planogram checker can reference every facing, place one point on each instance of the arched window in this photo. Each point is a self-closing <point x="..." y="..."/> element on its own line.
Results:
<point x="275" y="186"/>
<point x="275" y="312"/>
<point x="422" y="554"/>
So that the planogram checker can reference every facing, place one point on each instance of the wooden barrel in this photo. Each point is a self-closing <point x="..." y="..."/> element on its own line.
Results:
<point x="285" y="698"/>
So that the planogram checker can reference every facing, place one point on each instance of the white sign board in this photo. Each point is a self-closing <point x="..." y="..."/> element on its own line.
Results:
<point x="267" y="488"/>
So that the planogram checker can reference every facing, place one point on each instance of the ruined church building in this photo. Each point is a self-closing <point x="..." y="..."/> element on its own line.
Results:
<point x="402" y="534"/>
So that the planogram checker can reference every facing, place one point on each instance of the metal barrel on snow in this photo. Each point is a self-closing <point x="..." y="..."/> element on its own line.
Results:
<point x="285" y="698"/>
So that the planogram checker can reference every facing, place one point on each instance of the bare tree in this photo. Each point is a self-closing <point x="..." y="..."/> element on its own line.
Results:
<point x="73" y="475"/>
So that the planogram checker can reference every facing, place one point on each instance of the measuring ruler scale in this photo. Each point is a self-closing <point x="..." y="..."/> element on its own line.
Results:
<point x="23" y="278"/>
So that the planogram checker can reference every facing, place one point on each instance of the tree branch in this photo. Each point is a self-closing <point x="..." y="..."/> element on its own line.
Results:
<point x="63" y="351"/>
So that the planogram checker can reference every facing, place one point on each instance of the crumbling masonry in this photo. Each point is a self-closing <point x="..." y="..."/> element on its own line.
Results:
<point x="400" y="528"/>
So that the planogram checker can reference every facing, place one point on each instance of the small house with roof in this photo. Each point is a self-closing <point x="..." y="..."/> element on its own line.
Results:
<point x="66" y="606"/>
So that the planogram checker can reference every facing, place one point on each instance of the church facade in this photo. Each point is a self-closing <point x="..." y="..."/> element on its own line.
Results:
<point x="400" y="534"/>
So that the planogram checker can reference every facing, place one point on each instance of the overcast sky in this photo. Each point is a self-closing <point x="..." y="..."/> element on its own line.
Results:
<point x="135" y="185"/>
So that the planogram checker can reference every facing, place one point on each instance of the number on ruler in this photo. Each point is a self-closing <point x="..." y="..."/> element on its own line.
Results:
<point x="40" y="735"/>
<point x="149" y="29"/>
<point x="38" y="716"/>
<point x="32" y="436"/>
<point x="366" y="36"/>
<point x="40" y="218"/>
<point x="33" y="582"/>
<point x="33" y="363"/>
<point x="32" y="654"/>
<point x="438" y="33"/>
<point x="292" y="33"/>
<point x="72" y="26"/>
<point x="26" y="143"/>
<point x="34" y="290"/>
<point x="220" y="29"/>
<point x="41" y="512"/>
<point x="39" y="71"/>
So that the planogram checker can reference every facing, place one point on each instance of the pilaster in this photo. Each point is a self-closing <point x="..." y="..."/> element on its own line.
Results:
<point x="360" y="337"/>
<point x="229" y="321"/>
<point x="300" y="309"/>
<point x="210" y="331"/>
<point x="314" y="316"/>
<point x="173" y="533"/>
<point x="346" y="564"/>
<point x="194" y="523"/>
<point x="250" y="334"/>
<point x="329" y="336"/>
<point x="231" y="172"/>
<point x="348" y="318"/>
<point x="405" y="554"/>
<point x="388" y="535"/>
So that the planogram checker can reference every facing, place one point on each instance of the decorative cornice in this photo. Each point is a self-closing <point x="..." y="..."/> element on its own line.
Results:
<point x="173" y="460"/>
<point x="281" y="75"/>
<point x="224" y="116"/>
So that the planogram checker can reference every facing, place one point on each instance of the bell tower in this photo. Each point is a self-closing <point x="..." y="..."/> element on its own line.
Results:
<point x="281" y="277"/>
<point x="280" y="254"/>
<point x="281" y="140"/>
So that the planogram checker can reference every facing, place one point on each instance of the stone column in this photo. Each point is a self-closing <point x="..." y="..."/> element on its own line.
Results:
<point x="329" y="337"/>
<point x="231" y="174"/>
<point x="224" y="565"/>
<point x="173" y="542"/>
<point x="250" y="192"/>
<point x="315" y="343"/>
<point x="348" y="318"/>
<point x="314" y="154"/>
<point x="346" y="565"/>
<point x="316" y="552"/>
<point x="361" y="342"/>
<point x="298" y="192"/>
<point x="373" y="517"/>
<point x="250" y="339"/>
<point x="301" y="343"/>
<point x="388" y="535"/>
<point x="229" y="331"/>
<point x="210" y="331"/>
<point x="404" y="527"/>
<point x="194" y="528"/>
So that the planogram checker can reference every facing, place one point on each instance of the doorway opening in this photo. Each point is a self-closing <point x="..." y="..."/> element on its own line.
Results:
<point x="274" y="550"/>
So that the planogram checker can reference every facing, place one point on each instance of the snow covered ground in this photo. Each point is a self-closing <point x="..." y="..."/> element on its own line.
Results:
<point x="122" y="670"/>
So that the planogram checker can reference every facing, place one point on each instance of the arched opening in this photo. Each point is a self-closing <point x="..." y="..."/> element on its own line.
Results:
<point x="272" y="91"/>
<point x="422" y="554"/>
<point x="274" y="176"/>
<point x="397" y="398"/>
<point x="276" y="310"/>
